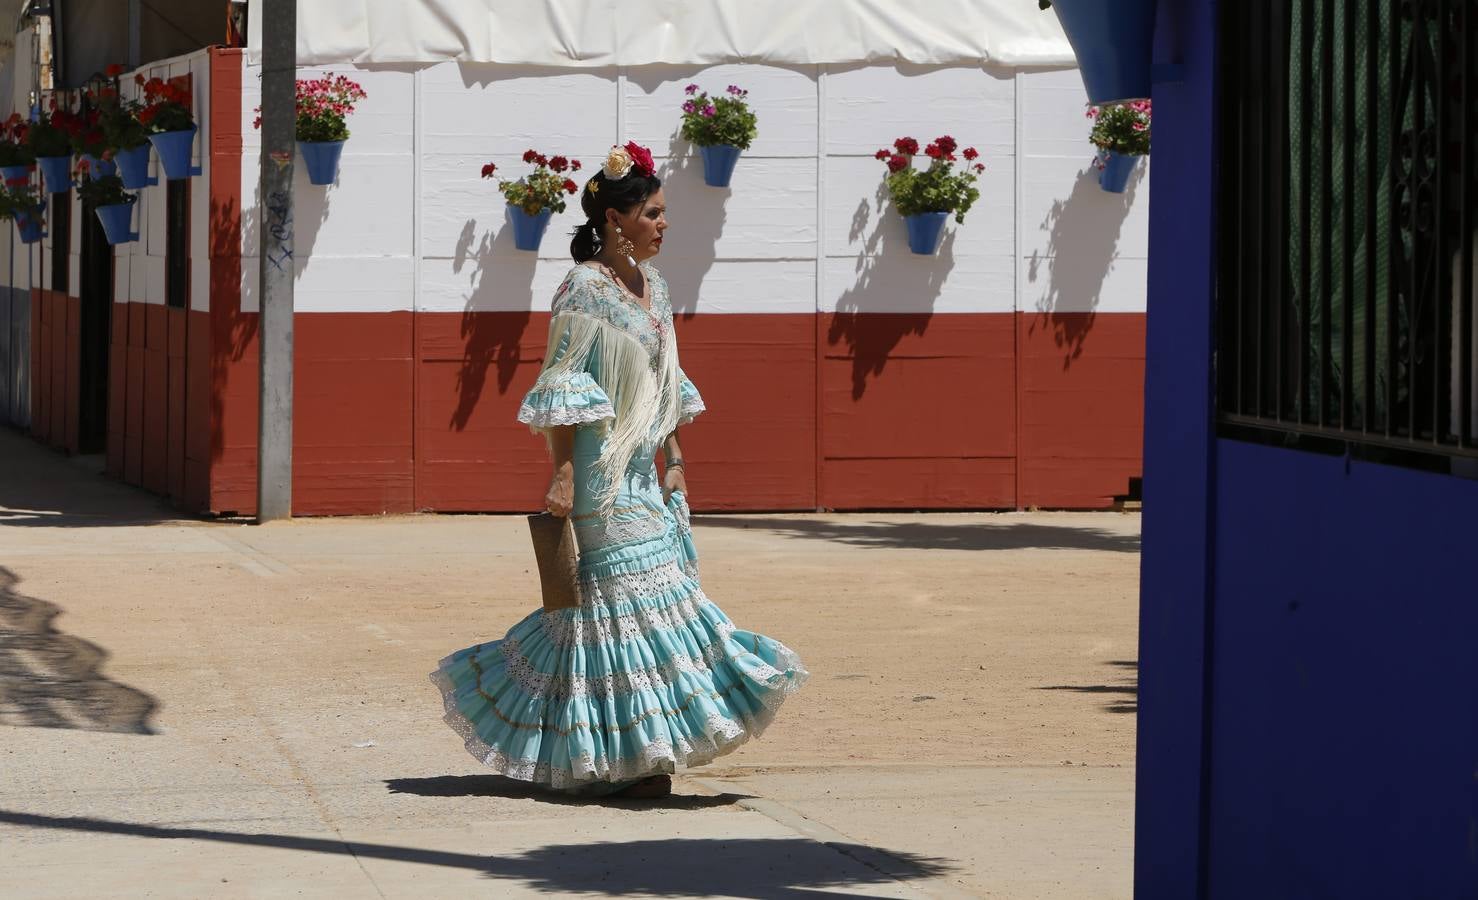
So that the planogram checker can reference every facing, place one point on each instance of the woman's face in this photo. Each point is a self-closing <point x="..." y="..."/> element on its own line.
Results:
<point x="643" y="225"/>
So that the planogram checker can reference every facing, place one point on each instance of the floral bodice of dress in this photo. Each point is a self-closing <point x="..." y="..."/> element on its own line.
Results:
<point x="592" y="291"/>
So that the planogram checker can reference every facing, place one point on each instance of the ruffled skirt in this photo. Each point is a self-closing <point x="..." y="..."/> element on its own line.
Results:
<point x="645" y="675"/>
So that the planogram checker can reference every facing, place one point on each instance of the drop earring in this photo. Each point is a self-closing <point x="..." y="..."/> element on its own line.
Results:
<point x="625" y="247"/>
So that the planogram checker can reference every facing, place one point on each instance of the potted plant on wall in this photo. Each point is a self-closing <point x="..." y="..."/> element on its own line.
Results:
<point x="1122" y="135"/>
<point x="90" y="146"/>
<point x="20" y="200"/>
<point x="166" y="114"/>
<point x="926" y="197"/>
<point x="128" y="139"/>
<point x="721" y="128"/>
<point x="1113" y="44"/>
<point x="535" y="197"/>
<point x="323" y="104"/>
<point x="49" y="140"/>
<point x="113" y="204"/>
<point x="16" y="158"/>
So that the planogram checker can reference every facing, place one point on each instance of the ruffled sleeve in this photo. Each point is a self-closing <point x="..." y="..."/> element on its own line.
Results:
<point x="692" y="401"/>
<point x="566" y="392"/>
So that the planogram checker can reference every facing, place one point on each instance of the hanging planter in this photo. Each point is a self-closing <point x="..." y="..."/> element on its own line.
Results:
<point x="926" y="197"/>
<point x="321" y="108"/>
<point x="114" y="207"/>
<point x="721" y="127"/>
<point x="15" y="173"/>
<point x="322" y="160"/>
<point x="98" y="167"/>
<point x="1115" y="170"/>
<point x="1122" y="135"/>
<point x="133" y="167"/>
<point x="718" y="164"/>
<point x="56" y="173"/>
<point x="925" y="230"/>
<point x="174" y="149"/>
<point x="1113" y="43"/>
<point x="528" y="230"/>
<point x="16" y="158"/>
<point x="166" y="114"/>
<point x="29" y="224"/>
<point x="117" y="219"/>
<point x="543" y="191"/>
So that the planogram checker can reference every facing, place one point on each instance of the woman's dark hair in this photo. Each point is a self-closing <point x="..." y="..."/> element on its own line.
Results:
<point x="619" y="195"/>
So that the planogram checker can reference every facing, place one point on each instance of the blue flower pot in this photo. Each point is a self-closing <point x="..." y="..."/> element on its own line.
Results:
<point x="98" y="167"/>
<point x="528" y="230"/>
<point x="117" y="219"/>
<point x="29" y="225"/>
<point x="1117" y="168"/>
<point x="11" y="173"/>
<point x="322" y="160"/>
<point x="718" y="164"/>
<point x="56" y="173"/>
<point x="174" y="149"/>
<point x="924" y="231"/>
<point x="1113" y="44"/>
<point x="133" y="166"/>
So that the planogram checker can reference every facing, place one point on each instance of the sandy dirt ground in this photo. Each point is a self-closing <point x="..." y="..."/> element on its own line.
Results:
<point x="199" y="708"/>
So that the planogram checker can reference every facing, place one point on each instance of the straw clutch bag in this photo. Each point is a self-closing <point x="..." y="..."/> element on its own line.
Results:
<point x="558" y="558"/>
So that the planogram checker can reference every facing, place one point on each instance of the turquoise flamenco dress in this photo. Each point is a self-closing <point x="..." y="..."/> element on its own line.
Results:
<point x="647" y="673"/>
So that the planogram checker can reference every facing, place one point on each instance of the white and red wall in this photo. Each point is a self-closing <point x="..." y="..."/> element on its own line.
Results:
<point x="840" y="370"/>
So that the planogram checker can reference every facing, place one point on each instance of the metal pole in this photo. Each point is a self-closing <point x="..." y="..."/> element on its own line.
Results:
<point x="135" y="30"/>
<point x="279" y="122"/>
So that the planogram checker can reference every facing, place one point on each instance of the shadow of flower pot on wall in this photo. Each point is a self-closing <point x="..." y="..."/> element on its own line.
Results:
<point x="1082" y="244"/>
<point x="492" y="335"/>
<point x="893" y="295"/>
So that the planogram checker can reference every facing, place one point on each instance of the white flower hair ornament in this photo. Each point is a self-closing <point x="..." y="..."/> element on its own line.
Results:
<point x="618" y="163"/>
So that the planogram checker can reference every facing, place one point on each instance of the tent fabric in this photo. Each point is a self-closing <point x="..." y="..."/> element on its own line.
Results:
<point x="597" y="33"/>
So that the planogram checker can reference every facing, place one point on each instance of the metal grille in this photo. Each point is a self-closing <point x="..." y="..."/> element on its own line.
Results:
<point x="1348" y="192"/>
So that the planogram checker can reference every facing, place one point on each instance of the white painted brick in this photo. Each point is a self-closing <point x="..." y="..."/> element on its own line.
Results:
<point x="868" y="107"/>
<point x="783" y="100"/>
<point x="1084" y="285"/>
<point x="902" y="282"/>
<point x="501" y="111"/>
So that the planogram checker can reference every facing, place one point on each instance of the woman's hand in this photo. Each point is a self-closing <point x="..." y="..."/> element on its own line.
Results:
<point x="560" y="499"/>
<point x="674" y="480"/>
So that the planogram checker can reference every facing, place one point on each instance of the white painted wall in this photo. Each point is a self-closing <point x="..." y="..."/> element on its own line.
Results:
<point x="805" y="227"/>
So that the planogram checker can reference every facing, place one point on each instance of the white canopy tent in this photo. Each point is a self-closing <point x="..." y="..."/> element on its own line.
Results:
<point x="593" y="33"/>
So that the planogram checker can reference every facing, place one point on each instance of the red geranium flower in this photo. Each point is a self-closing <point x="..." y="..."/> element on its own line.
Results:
<point x="488" y="170"/>
<point x="574" y="165"/>
<point x="641" y="158"/>
<point x="570" y="186"/>
<point x="113" y="71"/>
<point x="530" y="155"/>
<point x="882" y="154"/>
<point x="971" y="153"/>
<point x="946" y="143"/>
<point x="897" y="163"/>
<point x="138" y="79"/>
<point x="933" y="152"/>
<point x="907" y="146"/>
<point x="558" y="163"/>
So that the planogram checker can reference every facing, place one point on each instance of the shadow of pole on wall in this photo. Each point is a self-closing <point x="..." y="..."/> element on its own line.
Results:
<point x="1082" y="244"/>
<point x="889" y="278"/>
<point x="492" y="339"/>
